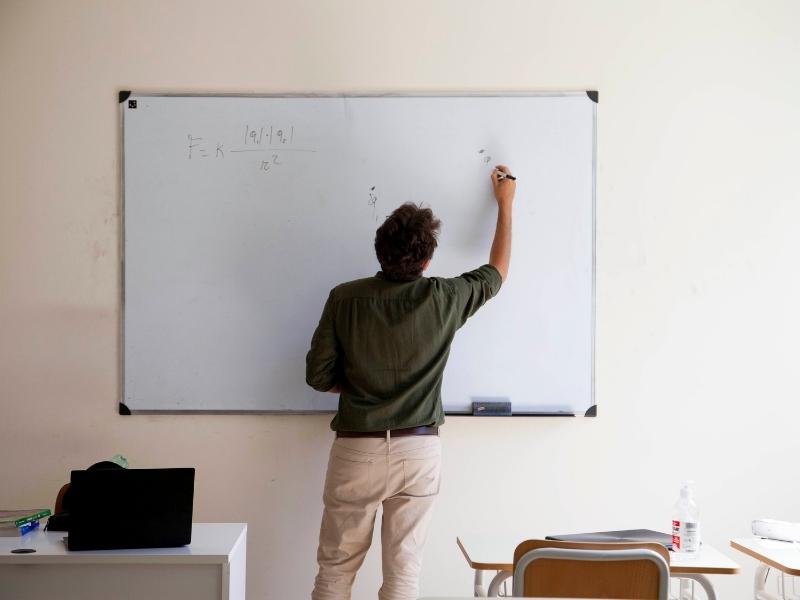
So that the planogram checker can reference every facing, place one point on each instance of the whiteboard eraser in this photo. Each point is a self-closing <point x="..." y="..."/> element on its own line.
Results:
<point x="491" y="408"/>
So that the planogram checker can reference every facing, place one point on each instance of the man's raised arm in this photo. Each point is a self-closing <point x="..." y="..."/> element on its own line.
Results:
<point x="504" y="189"/>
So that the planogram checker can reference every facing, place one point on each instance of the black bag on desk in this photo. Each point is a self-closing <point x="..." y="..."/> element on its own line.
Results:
<point x="130" y="508"/>
<point x="60" y="520"/>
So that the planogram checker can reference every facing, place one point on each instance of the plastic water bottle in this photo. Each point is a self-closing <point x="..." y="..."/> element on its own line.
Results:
<point x="686" y="522"/>
<point x="686" y="534"/>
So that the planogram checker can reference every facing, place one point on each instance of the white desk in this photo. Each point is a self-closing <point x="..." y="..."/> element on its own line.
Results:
<point x="783" y="556"/>
<point x="496" y="553"/>
<point x="212" y="567"/>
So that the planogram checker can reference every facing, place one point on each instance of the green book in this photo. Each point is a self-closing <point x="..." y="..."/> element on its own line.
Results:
<point x="20" y="517"/>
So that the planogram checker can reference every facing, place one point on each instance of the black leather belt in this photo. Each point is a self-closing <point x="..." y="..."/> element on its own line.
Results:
<point x="421" y="430"/>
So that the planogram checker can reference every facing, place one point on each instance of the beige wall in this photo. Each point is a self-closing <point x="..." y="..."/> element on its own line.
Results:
<point x="697" y="287"/>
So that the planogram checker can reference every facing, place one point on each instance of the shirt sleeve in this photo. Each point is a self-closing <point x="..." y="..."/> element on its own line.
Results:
<point x="322" y="358"/>
<point x="474" y="289"/>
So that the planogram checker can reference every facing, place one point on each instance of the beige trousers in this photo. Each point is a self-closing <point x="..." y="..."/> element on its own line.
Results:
<point x="402" y="474"/>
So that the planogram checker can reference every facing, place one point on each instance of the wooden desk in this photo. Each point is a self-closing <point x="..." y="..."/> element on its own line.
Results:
<point x="783" y="556"/>
<point x="212" y="567"/>
<point x="496" y="553"/>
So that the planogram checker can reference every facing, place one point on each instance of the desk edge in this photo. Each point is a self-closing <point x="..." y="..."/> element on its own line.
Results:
<point x="479" y="566"/>
<point x="767" y="561"/>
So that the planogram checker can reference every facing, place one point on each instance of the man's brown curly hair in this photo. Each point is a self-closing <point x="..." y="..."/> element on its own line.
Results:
<point x="405" y="241"/>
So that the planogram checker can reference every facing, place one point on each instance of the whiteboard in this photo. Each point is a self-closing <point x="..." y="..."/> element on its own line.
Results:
<point x="242" y="212"/>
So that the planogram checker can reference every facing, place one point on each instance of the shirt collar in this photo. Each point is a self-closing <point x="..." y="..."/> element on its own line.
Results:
<point x="383" y="277"/>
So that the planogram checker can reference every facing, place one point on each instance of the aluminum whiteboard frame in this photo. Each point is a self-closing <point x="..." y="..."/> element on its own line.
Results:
<point x="125" y="94"/>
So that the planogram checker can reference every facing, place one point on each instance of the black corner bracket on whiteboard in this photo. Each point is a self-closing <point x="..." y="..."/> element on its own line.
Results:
<point x="591" y="411"/>
<point x="594" y="96"/>
<point x="123" y="95"/>
<point x="123" y="409"/>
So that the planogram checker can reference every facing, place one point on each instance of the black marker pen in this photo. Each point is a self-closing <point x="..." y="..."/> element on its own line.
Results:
<point x="506" y="176"/>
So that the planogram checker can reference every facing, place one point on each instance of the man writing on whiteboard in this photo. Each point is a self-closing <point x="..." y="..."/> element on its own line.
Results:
<point x="382" y="344"/>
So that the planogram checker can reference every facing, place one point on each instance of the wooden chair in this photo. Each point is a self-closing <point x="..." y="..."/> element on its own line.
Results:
<point x="545" y="568"/>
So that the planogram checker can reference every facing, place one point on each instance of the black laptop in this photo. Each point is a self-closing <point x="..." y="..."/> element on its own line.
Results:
<point x="130" y="508"/>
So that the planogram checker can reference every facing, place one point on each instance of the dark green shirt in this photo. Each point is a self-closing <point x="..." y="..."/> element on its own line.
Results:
<point x="386" y="344"/>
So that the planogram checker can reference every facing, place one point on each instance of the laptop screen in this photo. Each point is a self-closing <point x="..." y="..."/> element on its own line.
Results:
<point x="130" y="508"/>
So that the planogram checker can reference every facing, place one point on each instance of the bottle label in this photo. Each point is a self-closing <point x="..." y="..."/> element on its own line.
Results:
<point x="691" y="537"/>
<point x="685" y="536"/>
<point x="676" y="535"/>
